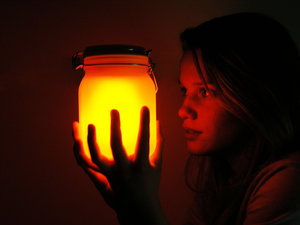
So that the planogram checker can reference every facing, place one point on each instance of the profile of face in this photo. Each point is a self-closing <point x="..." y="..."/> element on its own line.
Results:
<point x="208" y="127"/>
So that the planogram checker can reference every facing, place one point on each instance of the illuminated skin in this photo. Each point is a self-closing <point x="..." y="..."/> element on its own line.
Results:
<point x="208" y="127"/>
<point x="131" y="184"/>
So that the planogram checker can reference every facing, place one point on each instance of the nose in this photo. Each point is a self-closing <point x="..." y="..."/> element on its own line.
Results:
<point x="186" y="111"/>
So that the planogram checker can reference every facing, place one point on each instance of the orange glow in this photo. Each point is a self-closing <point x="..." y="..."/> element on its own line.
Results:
<point x="126" y="88"/>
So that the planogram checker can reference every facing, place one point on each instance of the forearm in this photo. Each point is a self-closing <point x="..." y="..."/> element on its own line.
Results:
<point x="150" y="214"/>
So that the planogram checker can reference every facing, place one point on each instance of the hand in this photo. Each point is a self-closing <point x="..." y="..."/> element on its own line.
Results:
<point x="130" y="185"/>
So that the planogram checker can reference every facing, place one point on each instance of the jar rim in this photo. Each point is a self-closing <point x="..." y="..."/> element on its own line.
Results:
<point x="114" y="49"/>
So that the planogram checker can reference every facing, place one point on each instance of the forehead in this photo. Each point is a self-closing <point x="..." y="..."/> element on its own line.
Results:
<point x="188" y="68"/>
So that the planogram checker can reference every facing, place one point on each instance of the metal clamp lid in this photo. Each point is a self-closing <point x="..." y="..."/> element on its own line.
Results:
<point x="78" y="57"/>
<point x="77" y="60"/>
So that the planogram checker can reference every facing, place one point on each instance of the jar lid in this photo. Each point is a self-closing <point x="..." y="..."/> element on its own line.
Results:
<point x="115" y="49"/>
<point x="77" y="59"/>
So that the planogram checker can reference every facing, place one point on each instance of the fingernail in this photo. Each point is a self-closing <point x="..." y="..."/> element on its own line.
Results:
<point x="145" y="109"/>
<point x="90" y="128"/>
<point x="114" y="112"/>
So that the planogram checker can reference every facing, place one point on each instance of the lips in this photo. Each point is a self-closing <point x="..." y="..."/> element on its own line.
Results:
<point x="191" y="134"/>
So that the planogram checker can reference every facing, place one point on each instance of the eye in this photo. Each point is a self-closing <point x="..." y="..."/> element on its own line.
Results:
<point x="183" y="91"/>
<point x="203" y="92"/>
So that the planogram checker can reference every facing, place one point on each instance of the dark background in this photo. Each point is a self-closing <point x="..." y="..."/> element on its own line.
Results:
<point x="40" y="181"/>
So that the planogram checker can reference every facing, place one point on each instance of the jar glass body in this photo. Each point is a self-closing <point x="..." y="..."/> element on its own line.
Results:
<point x="120" y="82"/>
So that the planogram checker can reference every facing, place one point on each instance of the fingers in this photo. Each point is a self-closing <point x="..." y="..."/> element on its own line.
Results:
<point x="82" y="158"/>
<point x="95" y="151"/>
<point x="102" y="185"/>
<point x="156" y="159"/>
<point x="78" y="150"/>
<point x="75" y="131"/>
<point x="142" y="151"/>
<point x="118" y="151"/>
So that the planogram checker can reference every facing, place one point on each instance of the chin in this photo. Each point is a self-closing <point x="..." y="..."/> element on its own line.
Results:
<point x="198" y="149"/>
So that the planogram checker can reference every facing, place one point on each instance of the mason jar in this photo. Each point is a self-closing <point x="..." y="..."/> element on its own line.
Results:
<point x="115" y="77"/>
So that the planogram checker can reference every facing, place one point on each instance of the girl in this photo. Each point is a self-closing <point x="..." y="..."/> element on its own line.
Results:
<point x="238" y="76"/>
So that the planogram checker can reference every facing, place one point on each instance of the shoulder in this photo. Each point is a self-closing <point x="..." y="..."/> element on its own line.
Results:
<point x="284" y="173"/>
<point x="273" y="196"/>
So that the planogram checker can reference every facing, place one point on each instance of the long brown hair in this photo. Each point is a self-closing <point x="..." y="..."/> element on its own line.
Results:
<point x="254" y="63"/>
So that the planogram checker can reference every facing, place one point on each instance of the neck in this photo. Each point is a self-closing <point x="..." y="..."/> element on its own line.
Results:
<point x="239" y="156"/>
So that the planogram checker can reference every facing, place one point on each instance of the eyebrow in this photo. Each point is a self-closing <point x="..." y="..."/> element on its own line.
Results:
<point x="199" y="83"/>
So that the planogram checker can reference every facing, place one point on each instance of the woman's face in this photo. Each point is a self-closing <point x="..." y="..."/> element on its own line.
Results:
<point x="208" y="126"/>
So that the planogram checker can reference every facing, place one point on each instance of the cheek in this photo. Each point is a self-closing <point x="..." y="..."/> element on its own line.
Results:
<point x="227" y="130"/>
<point x="221" y="129"/>
<point x="212" y="117"/>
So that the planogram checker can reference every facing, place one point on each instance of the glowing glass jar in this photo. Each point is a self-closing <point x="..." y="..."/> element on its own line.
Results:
<point x="116" y="77"/>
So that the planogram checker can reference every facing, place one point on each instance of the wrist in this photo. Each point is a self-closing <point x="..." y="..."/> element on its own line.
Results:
<point x="148" y="214"/>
